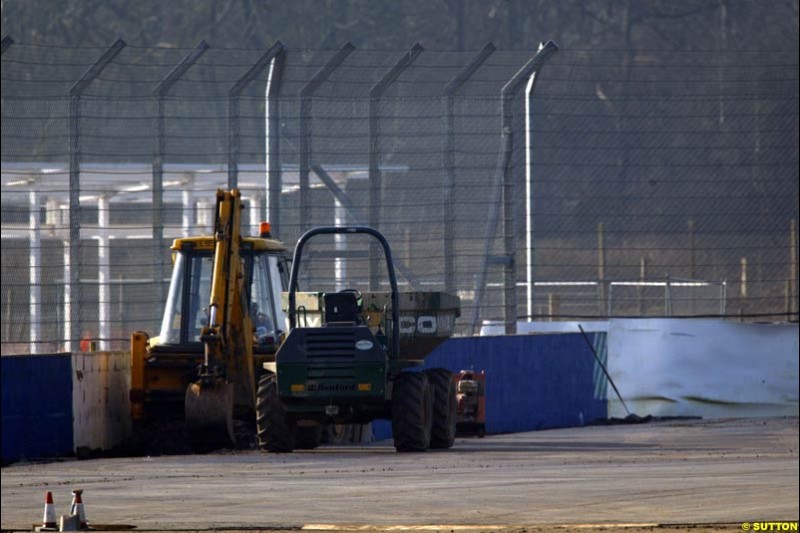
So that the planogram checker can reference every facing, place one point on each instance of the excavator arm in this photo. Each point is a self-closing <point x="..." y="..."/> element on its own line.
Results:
<point x="227" y="369"/>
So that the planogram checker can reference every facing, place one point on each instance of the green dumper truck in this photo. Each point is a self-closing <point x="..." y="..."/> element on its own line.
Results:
<point x="352" y="357"/>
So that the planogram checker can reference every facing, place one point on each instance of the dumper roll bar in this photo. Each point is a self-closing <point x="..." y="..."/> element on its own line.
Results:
<point x="338" y="230"/>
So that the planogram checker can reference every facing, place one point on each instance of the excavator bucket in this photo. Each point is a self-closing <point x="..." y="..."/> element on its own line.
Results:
<point x="209" y="412"/>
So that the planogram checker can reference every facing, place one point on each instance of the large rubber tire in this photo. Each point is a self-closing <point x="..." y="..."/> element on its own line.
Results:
<point x="308" y="437"/>
<point x="443" y="432"/>
<point x="276" y="433"/>
<point x="412" y="412"/>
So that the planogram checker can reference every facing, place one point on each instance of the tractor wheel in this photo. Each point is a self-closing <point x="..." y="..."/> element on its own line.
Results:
<point x="443" y="433"/>
<point x="412" y="412"/>
<point x="308" y="437"/>
<point x="276" y="433"/>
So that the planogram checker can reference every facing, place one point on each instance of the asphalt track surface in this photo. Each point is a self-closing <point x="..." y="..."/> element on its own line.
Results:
<point x="675" y="476"/>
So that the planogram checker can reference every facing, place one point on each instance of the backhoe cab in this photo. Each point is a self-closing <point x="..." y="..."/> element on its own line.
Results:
<point x="222" y="321"/>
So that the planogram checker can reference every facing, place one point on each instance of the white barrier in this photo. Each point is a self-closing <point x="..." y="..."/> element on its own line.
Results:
<point x="690" y="367"/>
<point x="702" y="367"/>
<point x="101" y="382"/>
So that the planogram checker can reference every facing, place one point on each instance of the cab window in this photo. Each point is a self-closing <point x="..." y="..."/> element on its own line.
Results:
<point x="262" y="308"/>
<point x="199" y="280"/>
<point x="186" y="311"/>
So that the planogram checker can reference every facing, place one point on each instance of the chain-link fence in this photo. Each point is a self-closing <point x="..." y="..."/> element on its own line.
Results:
<point x="646" y="183"/>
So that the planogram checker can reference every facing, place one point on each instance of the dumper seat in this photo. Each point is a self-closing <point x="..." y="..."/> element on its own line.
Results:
<point x="342" y="309"/>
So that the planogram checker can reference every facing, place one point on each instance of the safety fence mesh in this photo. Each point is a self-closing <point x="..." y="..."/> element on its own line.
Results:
<point x="651" y="183"/>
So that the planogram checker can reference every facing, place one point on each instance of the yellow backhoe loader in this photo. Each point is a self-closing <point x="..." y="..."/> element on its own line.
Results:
<point x="222" y="321"/>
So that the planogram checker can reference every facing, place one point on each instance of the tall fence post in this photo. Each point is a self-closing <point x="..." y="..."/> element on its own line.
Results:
<point x="305" y="145"/>
<point x="160" y="92"/>
<point x="504" y="187"/>
<point x="375" y="177"/>
<point x="273" y="128"/>
<point x="528" y="78"/>
<point x="72" y="290"/>
<point x="530" y="285"/>
<point x="233" y="110"/>
<point x="448" y="162"/>
<point x="104" y="271"/>
<point x="35" y="267"/>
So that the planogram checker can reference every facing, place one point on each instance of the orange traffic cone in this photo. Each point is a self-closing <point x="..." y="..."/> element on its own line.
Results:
<point x="49" y="520"/>
<point x="77" y="508"/>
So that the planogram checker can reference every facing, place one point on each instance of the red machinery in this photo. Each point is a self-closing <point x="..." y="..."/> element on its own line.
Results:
<point x="471" y="398"/>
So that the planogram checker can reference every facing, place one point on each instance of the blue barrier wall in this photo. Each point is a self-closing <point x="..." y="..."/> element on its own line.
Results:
<point x="532" y="381"/>
<point x="37" y="406"/>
